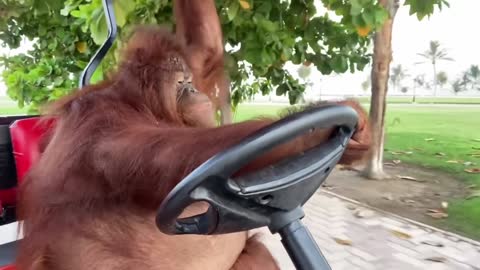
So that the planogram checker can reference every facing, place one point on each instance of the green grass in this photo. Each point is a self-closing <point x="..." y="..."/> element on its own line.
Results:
<point x="426" y="100"/>
<point x="435" y="135"/>
<point x="464" y="217"/>
<point x="9" y="107"/>
<point x="455" y="131"/>
<point x="456" y="134"/>
<point x="246" y="112"/>
<point x="11" y="110"/>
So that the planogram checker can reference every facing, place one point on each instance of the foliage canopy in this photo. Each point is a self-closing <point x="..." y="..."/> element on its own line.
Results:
<point x="261" y="37"/>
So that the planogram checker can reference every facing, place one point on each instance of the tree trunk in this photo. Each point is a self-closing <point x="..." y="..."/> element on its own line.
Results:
<point x="382" y="57"/>
<point x="434" y="79"/>
<point x="227" y="115"/>
<point x="414" y="94"/>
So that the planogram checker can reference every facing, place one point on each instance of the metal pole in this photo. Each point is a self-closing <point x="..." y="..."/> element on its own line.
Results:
<point x="102" y="51"/>
<point x="302" y="248"/>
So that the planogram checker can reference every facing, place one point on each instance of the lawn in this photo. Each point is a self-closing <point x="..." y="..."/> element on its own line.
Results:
<point x="8" y="107"/>
<point x="442" y="138"/>
<point x="427" y="100"/>
<point x="431" y="136"/>
<point x="11" y="110"/>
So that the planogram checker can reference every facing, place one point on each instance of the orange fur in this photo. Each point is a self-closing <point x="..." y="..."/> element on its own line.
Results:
<point x="117" y="150"/>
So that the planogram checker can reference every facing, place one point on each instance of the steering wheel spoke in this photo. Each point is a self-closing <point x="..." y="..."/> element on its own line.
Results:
<point x="226" y="214"/>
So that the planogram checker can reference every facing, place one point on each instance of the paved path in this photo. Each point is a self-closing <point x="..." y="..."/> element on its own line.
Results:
<point x="378" y="240"/>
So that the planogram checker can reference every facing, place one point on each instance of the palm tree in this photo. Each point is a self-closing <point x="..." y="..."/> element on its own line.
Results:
<point x="458" y="86"/>
<point x="397" y="76"/>
<point x="473" y="77"/>
<point x="434" y="54"/>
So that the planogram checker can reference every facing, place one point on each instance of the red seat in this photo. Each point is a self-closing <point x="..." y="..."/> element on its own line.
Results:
<point x="25" y="135"/>
<point x="8" y="196"/>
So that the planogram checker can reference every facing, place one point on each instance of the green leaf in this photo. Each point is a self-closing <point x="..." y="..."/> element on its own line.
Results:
<point x="253" y="55"/>
<point x="380" y="16"/>
<point x="76" y="13"/>
<point x="368" y="18"/>
<point x="264" y="7"/>
<point x="277" y="76"/>
<point x="122" y="8"/>
<point x="232" y="10"/>
<point x="356" y="8"/>
<point x="99" y="29"/>
<point x="424" y="8"/>
<point x="267" y="25"/>
<point x="265" y="88"/>
<point x="359" y="21"/>
<point x="282" y="89"/>
<point x="69" y="6"/>
<point x="58" y="81"/>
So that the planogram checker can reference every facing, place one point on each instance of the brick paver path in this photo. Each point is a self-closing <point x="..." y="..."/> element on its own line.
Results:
<point x="378" y="240"/>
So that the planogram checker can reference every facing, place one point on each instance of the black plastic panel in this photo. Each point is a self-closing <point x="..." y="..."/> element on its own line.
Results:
<point x="8" y="176"/>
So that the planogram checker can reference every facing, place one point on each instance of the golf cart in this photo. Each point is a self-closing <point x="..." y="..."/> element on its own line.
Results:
<point x="272" y="197"/>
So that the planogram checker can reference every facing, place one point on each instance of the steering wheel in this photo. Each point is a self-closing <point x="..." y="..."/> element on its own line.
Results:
<point x="272" y="196"/>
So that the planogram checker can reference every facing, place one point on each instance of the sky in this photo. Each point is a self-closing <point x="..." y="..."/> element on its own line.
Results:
<point x="453" y="27"/>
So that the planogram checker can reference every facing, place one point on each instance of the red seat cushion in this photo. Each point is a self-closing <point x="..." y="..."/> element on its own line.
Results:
<point x="8" y="267"/>
<point x="25" y="135"/>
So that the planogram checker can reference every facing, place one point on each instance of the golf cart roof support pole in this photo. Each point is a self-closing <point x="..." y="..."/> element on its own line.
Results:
<point x="102" y="51"/>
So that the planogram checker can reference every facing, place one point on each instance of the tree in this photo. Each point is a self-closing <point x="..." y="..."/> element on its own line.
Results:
<point x="366" y="85"/>
<point x="261" y="37"/>
<point x="442" y="78"/>
<point x="304" y="72"/>
<point x="382" y="56"/>
<point x="433" y="55"/>
<point x="473" y="77"/>
<point x="458" y="86"/>
<point x="398" y="74"/>
<point x="418" y="81"/>
<point x="469" y="79"/>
